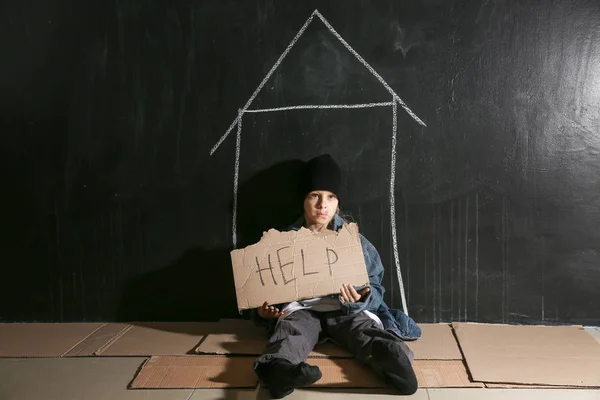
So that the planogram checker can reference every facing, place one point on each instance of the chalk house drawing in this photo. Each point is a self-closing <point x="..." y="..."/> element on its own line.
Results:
<point x="395" y="100"/>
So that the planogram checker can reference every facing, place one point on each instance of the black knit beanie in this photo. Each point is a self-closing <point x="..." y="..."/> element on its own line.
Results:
<point x="322" y="173"/>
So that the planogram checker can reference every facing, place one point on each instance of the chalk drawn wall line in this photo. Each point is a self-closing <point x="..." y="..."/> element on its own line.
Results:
<point x="395" y="101"/>
<point x="320" y="107"/>
<point x="393" y="206"/>
<point x="265" y="79"/>
<point x="236" y="174"/>
<point x="371" y="70"/>
<point x="285" y="53"/>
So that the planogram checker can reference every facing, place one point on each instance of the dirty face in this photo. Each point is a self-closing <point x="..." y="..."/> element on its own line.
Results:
<point x="320" y="207"/>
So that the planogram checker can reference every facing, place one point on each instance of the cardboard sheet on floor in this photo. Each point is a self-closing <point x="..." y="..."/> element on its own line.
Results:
<point x="430" y="374"/>
<point x="541" y="355"/>
<point x="342" y="372"/>
<point x="98" y="340"/>
<point x="236" y="344"/>
<point x="437" y="342"/>
<point x="43" y="339"/>
<point x="179" y="372"/>
<point x="443" y="373"/>
<point x="170" y="372"/>
<point x="157" y="338"/>
<point x="518" y="386"/>
<point x="240" y="327"/>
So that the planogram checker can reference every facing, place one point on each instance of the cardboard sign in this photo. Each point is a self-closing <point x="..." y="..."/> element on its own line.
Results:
<point x="295" y="265"/>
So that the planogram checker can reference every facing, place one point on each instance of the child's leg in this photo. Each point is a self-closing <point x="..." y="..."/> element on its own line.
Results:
<point x="294" y="338"/>
<point x="281" y="368"/>
<point x="384" y="352"/>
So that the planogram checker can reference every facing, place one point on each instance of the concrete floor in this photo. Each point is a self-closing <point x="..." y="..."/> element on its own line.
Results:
<point x="99" y="378"/>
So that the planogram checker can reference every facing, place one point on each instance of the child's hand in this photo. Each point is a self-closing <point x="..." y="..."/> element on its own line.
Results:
<point x="350" y="295"/>
<point x="267" y="311"/>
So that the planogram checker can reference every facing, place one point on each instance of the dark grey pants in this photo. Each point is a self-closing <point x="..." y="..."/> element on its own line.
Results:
<point x="296" y="336"/>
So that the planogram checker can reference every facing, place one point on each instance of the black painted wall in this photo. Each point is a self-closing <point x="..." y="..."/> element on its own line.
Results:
<point x="113" y="207"/>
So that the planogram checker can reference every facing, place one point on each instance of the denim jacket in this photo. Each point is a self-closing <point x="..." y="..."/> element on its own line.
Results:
<point x="393" y="320"/>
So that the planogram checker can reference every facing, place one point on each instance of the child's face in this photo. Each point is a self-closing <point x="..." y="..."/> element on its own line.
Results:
<point x="319" y="207"/>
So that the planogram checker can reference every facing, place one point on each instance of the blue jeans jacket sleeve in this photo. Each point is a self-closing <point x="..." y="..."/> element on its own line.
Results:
<point x="393" y="320"/>
<point x="375" y="271"/>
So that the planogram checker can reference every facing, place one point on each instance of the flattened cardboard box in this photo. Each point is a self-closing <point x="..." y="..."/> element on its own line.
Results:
<point x="429" y="373"/>
<point x="240" y="327"/>
<point x="443" y="373"/>
<point x="171" y="372"/>
<point x="522" y="386"/>
<point x="43" y="339"/>
<point x="436" y="343"/>
<point x="99" y="340"/>
<point x="190" y="372"/>
<point x="539" y="355"/>
<point x="235" y="344"/>
<point x="157" y="338"/>
<point x="295" y="265"/>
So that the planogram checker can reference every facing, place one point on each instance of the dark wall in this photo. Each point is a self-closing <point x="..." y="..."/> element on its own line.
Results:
<point x="113" y="207"/>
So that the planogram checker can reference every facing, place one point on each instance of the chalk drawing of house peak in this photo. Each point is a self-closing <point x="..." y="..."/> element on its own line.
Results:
<point x="245" y="108"/>
<point x="393" y="102"/>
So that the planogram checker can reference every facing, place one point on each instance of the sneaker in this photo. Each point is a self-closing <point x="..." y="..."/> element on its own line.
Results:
<point x="281" y="377"/>
<point x="391" y="358"/>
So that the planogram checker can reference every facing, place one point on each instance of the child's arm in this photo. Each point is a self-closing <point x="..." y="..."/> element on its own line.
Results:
<point x="372" y="299"/>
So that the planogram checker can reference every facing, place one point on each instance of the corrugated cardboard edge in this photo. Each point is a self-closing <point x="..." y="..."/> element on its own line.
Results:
<point x="437" y="342"/>
<point x="215" y="344"/>
<point x="430" y="374"/>
<point x="146" y="339"/>
<point x="97" y="340"/>
<point x="458" y="326"/>
<point x="83" y="340"/>
<point x="192" y="372"/>
<point x="56" y="354"/>
<point x="440" y="335"/>
<point x="444" y="374"/>
<point x="133" y="384"/>
<point x="351" y="228"/>
<point x="519" y="386"/>
<point x="120" y="334"/>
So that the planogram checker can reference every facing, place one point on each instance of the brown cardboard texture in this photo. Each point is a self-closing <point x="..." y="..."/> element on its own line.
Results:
<point x="43" y="339"/>
<point x="541" y="355"/>
<point x="98" y="340"/>
<point x="437" y="342"/>
<point x="295" y="265"/>
<point x="430" y="374"/>
<point x="183" y="372"/>
<point x="170" y="372"/>
<point x="234" y="344"/>
<point x="342" y="372"/>
<point x="443" y="373"/>
<point x="157" y="338"/>
<point x="242" y="328"/>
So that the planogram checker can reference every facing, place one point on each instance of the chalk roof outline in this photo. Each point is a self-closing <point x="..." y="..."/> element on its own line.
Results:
<point x="396" y="100"/>
<point x="285" y="53"/>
